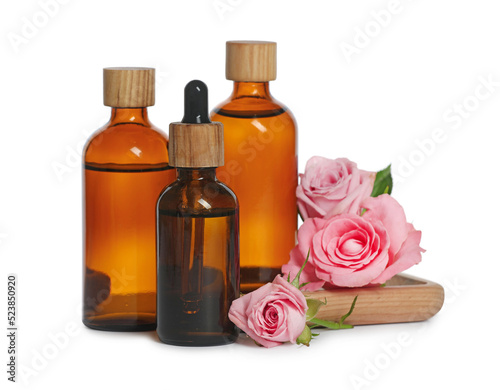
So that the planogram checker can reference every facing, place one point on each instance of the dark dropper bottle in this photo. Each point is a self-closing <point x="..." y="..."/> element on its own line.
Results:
<point x="197" y="234"/>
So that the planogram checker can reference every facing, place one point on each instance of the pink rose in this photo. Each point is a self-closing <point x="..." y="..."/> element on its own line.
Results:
<point x="352" y="251"/>
<point x="331" y="187"/>
<point x="271" y="315"/>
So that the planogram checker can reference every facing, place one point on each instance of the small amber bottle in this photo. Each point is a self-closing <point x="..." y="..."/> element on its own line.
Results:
<point x="125" y="169"/>
<point x="198" y="251"/>
<point x="260" y="149"/>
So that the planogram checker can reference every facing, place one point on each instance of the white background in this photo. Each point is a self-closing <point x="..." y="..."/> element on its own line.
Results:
<point x="418" y="69"/>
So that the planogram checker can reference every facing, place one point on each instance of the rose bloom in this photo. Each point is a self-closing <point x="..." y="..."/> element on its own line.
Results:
<point x="271" y="315"/>
<point x="348" y="250"/>
<point x="331" y="187"/>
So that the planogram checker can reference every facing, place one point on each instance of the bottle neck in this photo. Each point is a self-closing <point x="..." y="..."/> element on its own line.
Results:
<point x="130" y="115"/>
<point x="251" y="89"/>
<point x="190" y="174"/>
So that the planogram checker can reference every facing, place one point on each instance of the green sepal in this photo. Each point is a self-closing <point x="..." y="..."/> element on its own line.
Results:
<point x="383" y="182"/>
<point x="305" y="337"/>
<point x="313" y="306"/>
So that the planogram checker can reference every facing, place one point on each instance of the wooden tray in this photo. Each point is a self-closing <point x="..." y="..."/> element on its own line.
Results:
<point x="404" y="298"/>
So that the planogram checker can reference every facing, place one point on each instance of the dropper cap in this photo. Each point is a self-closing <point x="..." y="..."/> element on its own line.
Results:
<point x="196" y="142"/>
<point x="251" y="61"/>
<point x="129" y="87"/>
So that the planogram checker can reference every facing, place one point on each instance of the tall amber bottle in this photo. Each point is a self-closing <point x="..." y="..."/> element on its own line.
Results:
<point x="260" y="148"/>
<point x="125" y="169"/>
<point x="198" y="251"/>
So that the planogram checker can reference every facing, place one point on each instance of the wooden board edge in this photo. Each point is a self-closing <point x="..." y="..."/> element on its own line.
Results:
<point x="382" y="305"/>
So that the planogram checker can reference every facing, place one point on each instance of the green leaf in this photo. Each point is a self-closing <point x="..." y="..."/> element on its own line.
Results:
<point x="313" y="306"/>
<point x="296" y="281"/>
<point x="383" y="182"/>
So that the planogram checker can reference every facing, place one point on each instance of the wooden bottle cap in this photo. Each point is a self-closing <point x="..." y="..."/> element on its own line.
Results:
<point x="251" y="61"/>
<point x="196" y="145"/>
<point x="129" y="87"/>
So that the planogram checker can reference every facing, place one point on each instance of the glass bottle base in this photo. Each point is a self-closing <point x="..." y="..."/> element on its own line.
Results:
<point x="200" y="340"/>
<point x="122" y="322"/>
<point x="254" y="277"/>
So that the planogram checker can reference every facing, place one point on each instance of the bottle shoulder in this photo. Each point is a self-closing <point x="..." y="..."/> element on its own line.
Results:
<point x="200" y="197"/>
<point x="127" y="143"/>
<point x="252" y="107"/>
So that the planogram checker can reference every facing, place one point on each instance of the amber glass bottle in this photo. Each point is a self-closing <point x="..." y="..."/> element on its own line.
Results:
<point x="260" y="153"/>
<point x="125" y="169"/>
<point x="198" y="251"/>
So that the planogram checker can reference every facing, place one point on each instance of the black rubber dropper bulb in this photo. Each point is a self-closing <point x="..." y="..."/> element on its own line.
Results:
<point x="196" y="103"/>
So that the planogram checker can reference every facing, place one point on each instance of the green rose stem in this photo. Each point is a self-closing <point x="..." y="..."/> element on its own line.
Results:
<point x="336" y="325"/>
<point x="313" y="306"/>
<point x="296" y="281"/>
<point x="300" y="215"/>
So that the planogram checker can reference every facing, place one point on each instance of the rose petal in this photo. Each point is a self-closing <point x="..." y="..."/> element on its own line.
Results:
<point x="331" y="187"/>
<point x="386" y="209"/>
<point x="307" y="208"/>
<point x="241" y="307"/>
<point x="272" y="314"/>
<point x="299" y="253"/>
<point x="409" y="255"/>
<point x="360" y="270"/>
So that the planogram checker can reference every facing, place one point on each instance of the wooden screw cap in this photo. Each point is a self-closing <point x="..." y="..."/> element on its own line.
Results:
<point x="129" y="87"/>
<point x="196" y="145"/>
<point x="196" y="142"/>
<point x="251" y="61"/>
